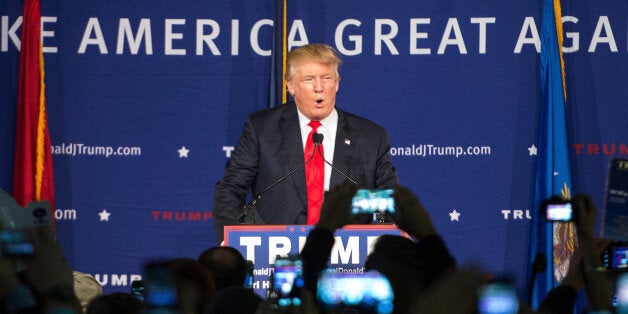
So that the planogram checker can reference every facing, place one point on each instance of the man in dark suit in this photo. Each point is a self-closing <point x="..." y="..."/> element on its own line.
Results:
<point x="273" y="141"/>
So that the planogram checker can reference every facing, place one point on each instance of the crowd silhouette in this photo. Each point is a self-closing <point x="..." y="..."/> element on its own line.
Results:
<point x="403" y="274"/>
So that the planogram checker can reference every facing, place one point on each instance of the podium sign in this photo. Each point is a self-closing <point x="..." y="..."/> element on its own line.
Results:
<point x="263" y="244"/>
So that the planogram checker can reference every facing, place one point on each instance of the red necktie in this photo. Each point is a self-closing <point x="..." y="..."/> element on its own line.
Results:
<point x="314" y="176"/>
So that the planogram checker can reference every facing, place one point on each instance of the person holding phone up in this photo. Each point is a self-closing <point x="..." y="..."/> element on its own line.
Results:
<point x="411" y="265"/>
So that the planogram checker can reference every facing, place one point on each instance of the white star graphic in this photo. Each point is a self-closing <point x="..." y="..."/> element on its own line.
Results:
<point x="532" y="150"/>
<point x="183" y="152"/>
<point x="104" y="215"/>
<point x="453" y="216"/>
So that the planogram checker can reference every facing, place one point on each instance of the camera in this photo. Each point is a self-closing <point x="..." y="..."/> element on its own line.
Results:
<point x="497" y="298"/>
<point x="615" y="256"/>
<point x="17" y="222"/>
<point x="373" y="206"/>
<point x="369" y="292"/>
<point x="286" y="283"/>
<point x="14" y="216"/>
<point x="557" y="210"/>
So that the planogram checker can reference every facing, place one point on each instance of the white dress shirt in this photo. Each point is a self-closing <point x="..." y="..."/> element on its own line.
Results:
<point x="328" y="128"/>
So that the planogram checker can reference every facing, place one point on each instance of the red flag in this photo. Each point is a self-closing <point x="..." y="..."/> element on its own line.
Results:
<point x="32" y="177"/>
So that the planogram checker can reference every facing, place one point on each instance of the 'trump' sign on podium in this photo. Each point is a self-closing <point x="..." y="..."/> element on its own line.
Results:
<point x="264" y="244"/>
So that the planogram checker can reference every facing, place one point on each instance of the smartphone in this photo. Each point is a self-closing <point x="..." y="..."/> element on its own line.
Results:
<point x="369" y="292"/>
<point x="370" y="201"/>
<point x="373" y="206"/>
<point x="555" y="210"/>
<point x="15" y="243"/>
<point x="160" y="291"/>
<point x="497" y="298"/>
<point x="287" y="283"/>
<point x="620" y="301"/>
<point x="615" y="256"/>
<point x="248" y="280"/>
<point x="137" y="289"/>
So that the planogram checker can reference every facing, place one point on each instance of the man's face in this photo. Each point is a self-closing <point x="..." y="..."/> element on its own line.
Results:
<point x="314" y="86"/>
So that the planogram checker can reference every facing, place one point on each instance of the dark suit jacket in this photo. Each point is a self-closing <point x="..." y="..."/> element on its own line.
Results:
<point x="271" y="145"/>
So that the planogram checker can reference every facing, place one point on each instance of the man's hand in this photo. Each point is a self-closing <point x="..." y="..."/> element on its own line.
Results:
<point x="595" y="282"/>
<point x="8" y="279"/>
<point x="584" y="215"/>
<point x="410" y="215"/>
<point x="336" y="210"/>
<point x="49" y="275"/>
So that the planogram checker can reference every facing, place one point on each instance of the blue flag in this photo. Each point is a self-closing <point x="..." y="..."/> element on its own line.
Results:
<point x="554" y="241"/>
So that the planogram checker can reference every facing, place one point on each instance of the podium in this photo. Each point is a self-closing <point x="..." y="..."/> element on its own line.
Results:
<point x="262" y="244"/>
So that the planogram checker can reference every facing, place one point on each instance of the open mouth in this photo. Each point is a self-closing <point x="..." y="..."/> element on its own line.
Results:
<point x="319" y="101"/>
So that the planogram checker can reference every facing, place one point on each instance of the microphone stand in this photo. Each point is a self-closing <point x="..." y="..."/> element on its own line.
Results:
<point x="249" y="209"/>
<point x="336" y="168"/>
<point x="318" y="138"/>
<point x="379" y="218"/>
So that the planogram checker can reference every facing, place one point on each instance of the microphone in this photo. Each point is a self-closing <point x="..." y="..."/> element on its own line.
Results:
<point x="248" y="211"/>
<point x="317" y="138"/>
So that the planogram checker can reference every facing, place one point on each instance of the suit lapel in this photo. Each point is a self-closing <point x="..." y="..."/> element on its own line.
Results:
<point x="345" y="143"/>
<point x="293" y="148"/>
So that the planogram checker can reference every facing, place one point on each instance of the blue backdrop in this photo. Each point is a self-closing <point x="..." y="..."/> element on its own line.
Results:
<point x="147" y="98"/>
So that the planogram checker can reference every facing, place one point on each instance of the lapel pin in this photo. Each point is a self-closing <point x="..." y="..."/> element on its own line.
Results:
<point x="347" y="142"/>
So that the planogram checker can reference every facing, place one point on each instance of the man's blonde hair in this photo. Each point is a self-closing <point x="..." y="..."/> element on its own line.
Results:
<point x="312" y="52"/>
